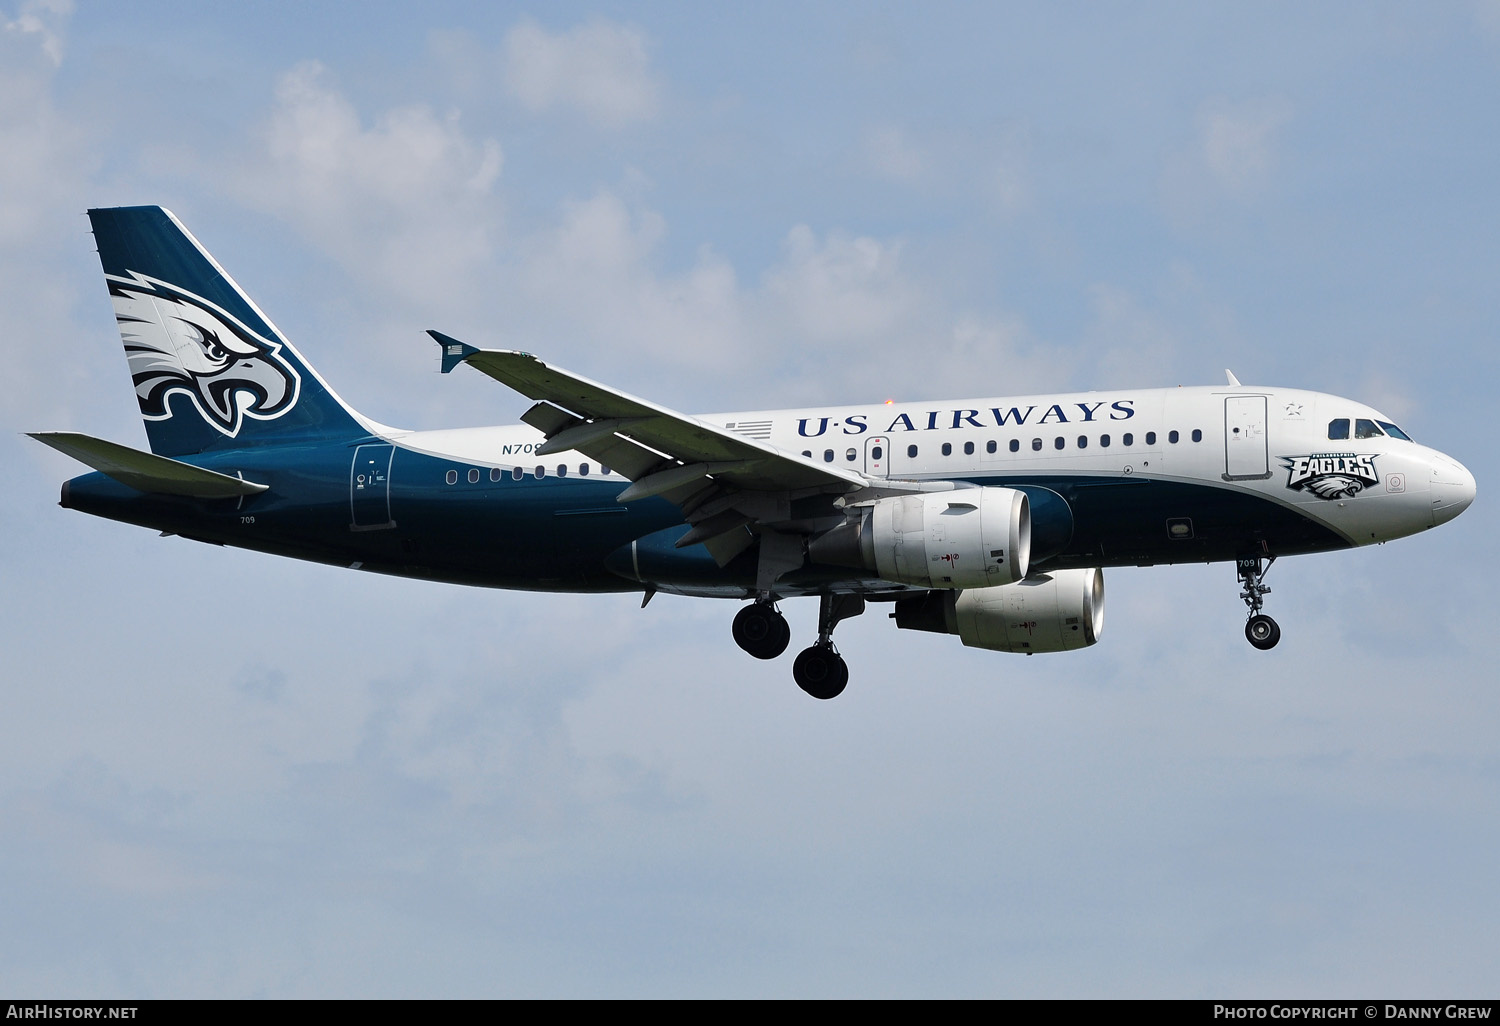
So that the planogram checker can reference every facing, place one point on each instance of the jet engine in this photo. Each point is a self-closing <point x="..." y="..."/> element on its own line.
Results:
<point x="1054" y="612"/>
<point x="966" y="538"/>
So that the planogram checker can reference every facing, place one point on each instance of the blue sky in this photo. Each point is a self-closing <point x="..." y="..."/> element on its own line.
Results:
<point x="223" y="774"/>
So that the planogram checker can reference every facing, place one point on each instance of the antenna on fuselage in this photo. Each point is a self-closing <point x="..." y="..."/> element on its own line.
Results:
<point x="1234" y="382"/>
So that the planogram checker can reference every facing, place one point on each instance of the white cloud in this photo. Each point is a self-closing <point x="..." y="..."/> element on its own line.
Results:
<point x="841" y="289"/>
<point x="1009" y="184"/>
<point x="594" y="272"/>
<point x="829" y="298"/>
<point x="1130" y="345"/>
<point x="893" y="155"/>
<point x="1237" y="141"/>
<point x="992" y="167"/>
<point x="599" y="69"/>
<point x="1487" y="14"/>
<point x="46" y="20"/>
<point x="46" y="163"/>
<point x="1232" y="156"/>
<point x="407" y="198"/>
<point x="43" y="152"/>
<point x="998" y="355"/>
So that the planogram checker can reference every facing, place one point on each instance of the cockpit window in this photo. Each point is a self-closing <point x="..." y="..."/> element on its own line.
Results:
<point x="1338" y="428"/>
<point x="1394" y="431"/>
<point x="1366" y="429"/>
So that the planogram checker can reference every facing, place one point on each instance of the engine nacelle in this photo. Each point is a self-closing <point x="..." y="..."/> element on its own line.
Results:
<point x="965" y="538"/>
<point x="1054" y="612"/>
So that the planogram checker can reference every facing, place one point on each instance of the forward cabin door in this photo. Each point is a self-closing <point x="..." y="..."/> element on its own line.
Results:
<point x="1246" y="456"/>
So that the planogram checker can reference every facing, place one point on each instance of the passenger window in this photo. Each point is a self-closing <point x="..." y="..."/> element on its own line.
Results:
<point x="603" y="470"/>
<point x="1015" y="445"/>
<point x="541" y="472"/>
<point x="562" y="470"/>
<point x="968" y="448"/>
<point x="1172" y="437"/>
<point x="1338" y="428"/>
<point x="849" y="454"/>
<point x="494" y="473"/>
<point x="911" y="452"/>
<point x="1083" y="441"/>
<point x="517" y="473"/>
<point x="1058" y="442"/>
<point x="877" y="453"/>
<point x="947" y="449"/>
<point x="1197" y="435"/>
<point x="1036" y="445"/>
<point x="1127" y="439"/>
<point x="990" y="446"/>
<point x="1366" y="429"/>
<point x="583" y="470"/>
<point x="474" y="476"/>
<point x="452" y="477"/>
<point x="1104" y="441"/>
<point x="807" y="453"/>
<point x="1150" y="437"/>
<point x="827" y="455"/>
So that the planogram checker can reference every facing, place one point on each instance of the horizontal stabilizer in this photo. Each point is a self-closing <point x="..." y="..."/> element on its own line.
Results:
<point x="144" y="471"/>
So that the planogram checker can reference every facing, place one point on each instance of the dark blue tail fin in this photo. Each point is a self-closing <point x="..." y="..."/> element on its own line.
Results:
<point x="210" y="371"/>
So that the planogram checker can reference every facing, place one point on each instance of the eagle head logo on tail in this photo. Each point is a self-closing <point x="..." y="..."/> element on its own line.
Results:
<point x="177" y="342"/>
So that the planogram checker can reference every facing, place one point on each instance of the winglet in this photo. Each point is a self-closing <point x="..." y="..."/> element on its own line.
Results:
<point x="454" y="351"/>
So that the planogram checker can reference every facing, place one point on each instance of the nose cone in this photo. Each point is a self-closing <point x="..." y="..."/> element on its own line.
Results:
<point x="1452" y="489"/>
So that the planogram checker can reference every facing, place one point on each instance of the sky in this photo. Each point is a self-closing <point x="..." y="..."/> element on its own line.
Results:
<point x="227" y="775"/>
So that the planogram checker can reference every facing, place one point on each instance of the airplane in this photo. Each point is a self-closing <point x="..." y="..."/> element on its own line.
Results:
<point x="991" y="519"/>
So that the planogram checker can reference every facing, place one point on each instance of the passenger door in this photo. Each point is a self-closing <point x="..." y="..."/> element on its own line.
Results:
<point x="1246" y="457"/>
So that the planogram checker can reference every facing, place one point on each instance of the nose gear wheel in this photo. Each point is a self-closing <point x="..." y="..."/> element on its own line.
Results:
<point x="1260" y="630"/>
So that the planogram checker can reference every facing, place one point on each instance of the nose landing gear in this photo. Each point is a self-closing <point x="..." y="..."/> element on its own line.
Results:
<point x="1260" y="630"/>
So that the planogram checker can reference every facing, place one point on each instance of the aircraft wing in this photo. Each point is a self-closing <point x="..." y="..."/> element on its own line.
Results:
<point x="721" y="480"/>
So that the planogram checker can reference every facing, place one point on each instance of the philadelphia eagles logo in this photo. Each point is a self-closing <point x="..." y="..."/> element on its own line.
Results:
<point x="1331" y="475"/>
<point x="181" y="343"/>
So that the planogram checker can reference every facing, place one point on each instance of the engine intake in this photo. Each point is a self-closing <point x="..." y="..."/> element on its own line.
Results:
<point x="967" y="538"/>
<point x="1055" y="612"/>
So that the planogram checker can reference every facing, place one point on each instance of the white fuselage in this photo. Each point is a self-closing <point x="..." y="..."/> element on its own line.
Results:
<point x="1270" y="442"/>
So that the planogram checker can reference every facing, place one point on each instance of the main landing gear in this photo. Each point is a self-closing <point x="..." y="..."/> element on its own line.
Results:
<point x="1260" y="630"/>
<point x="762" y="631"/>
<point x="819" y="670"/>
